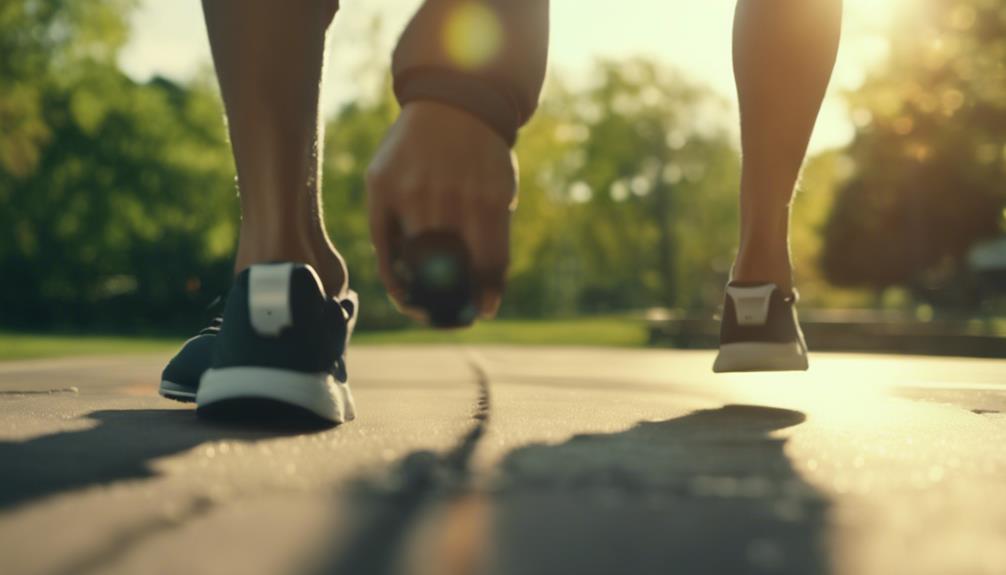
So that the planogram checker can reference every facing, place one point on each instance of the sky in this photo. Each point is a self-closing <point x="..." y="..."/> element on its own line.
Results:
<point x="169" y="39"/>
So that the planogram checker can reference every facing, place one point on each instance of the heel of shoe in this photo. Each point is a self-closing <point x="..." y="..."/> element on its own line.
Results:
<point x="318" y="393"/>
<point x="761" y="356"/>
<point x="277" y="316"/>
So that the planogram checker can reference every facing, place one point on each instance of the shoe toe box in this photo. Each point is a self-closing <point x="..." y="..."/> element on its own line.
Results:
<point x="191" y="362"/>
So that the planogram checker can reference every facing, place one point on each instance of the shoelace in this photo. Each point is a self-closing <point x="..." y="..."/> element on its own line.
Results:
<point x="214" y="327"/>
<point x="216" y="321"/>
<point x="343" y="311"/>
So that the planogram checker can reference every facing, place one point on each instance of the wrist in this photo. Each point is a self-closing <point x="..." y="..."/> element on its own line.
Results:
<point x="478" y="97"/>
<point x="436" y="116"/>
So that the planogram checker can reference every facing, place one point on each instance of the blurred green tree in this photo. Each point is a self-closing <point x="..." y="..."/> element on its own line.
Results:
<point x="929" y="157"/>
<point x="629" y="195"/>
<point x="119" y="207"/>
<point x="42" y="42"/>
<point x="117" y="197"/>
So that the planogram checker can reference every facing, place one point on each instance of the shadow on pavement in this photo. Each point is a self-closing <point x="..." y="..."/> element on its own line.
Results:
<point x="120" y="447"/>
<point x="711" y="492"/>
<point x="383" y="509"/>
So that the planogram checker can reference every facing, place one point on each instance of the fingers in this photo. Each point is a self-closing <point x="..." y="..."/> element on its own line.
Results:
<point x="487" y="235"/>
<point x="479" y="216"/>
<point x="482" y="226"/>
<point x="386" y="236"/>
<point x="440" y="170"/>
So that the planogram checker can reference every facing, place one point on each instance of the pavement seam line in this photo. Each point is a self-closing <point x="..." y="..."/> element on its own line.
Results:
<point x="422" y="480"/>
<point x="129" y="538"/>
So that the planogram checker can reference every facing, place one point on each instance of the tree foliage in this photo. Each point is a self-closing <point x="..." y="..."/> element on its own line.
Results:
<point x="628" y="193"/>
<point x="630" y="187"/>
<point x="119" y="200"/>
<point x="117" y="197"/>
<point x="929" y="153"/>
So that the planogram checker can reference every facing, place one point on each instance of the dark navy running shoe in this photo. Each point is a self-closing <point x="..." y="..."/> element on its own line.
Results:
<point x="180" y="378"/>
<point x="283" y="341"/>
<point x="760" y="330"/>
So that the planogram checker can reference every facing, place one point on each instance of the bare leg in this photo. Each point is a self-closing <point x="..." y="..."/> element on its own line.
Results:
<point x="269" y="62"/>
<point x="784" y="52"/>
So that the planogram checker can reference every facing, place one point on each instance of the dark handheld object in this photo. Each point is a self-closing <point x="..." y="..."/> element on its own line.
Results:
<point x="437" y="272"/>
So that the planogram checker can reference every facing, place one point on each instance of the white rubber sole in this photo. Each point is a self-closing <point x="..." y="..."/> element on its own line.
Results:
<point x="172" y="390"/>
<point x="318" y="393"/>
<point x="761" y="356"/>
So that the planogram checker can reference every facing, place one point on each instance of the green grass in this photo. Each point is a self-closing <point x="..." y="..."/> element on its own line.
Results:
<point x="599" y="331"/>
<point x="32" y="345"/>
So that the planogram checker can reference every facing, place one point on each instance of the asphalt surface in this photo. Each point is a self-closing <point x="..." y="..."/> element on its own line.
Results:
<point x="516" y="461"/>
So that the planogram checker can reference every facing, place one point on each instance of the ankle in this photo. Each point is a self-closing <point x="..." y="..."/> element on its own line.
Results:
<point x="331" y="268"/>
<point x="764" y="270"/>
<point x="326" y="261"/>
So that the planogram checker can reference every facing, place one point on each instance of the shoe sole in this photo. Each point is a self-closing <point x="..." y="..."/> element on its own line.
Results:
<point x="318" y="393"/>
<point x="761" y="356"/>
<point x="175" y="392"/>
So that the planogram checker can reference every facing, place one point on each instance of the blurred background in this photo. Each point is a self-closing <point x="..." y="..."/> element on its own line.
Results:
<point x="118" y="212"/>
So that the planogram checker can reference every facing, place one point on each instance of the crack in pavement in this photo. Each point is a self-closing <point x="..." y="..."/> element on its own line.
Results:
<point x="132" y="536"/>
<point x="388" y="508"/>
<point x="71" y="390"/>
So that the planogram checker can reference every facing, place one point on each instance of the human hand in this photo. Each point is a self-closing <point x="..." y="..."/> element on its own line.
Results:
<point x="441" y="169"/>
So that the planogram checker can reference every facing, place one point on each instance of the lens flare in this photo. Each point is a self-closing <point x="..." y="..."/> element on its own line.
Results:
<point x="473" y="36"/>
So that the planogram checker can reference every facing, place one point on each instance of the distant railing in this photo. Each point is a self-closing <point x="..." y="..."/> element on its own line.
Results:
<point x="849" y="330"/>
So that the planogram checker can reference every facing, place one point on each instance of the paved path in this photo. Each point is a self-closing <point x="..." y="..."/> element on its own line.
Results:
<point x="516" y="461"/>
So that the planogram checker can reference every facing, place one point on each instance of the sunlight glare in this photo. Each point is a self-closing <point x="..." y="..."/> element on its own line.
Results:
<point x="473" y="36"/>
<point x="840" y="387"/>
